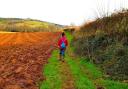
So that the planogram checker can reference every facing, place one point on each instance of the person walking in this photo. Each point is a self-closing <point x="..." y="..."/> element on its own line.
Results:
<point x="62" y="43"/>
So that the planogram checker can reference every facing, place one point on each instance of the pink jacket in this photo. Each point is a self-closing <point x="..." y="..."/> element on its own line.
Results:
<point x="61" y="40"/>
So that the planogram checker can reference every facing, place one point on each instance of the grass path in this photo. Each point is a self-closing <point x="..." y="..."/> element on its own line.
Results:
<point x="68" y="81"/>
<point x="52" y="74"/>
<point x="75" y="73"/>
<point x="57" y="73"/>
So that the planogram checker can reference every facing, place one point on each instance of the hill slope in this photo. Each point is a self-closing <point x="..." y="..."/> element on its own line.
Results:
<point x="26" y="25"/>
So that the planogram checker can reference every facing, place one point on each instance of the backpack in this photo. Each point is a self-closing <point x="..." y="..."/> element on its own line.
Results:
<point x="63" y="45"/>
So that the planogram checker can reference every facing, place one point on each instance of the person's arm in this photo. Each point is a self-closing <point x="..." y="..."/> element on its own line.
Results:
<point x="59" y="43"/>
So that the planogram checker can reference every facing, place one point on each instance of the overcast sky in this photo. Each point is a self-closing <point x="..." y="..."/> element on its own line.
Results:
<point x="59" y="11"/>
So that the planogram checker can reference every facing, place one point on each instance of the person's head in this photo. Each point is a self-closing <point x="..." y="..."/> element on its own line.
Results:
<point x="63" y="34"/>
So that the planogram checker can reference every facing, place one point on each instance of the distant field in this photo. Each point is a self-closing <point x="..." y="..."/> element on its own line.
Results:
<point x="5" y="32"/>
<point x="26" y="25"/>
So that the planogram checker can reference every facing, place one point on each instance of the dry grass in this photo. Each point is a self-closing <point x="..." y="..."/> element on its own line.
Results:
<point x="104" y="40"/>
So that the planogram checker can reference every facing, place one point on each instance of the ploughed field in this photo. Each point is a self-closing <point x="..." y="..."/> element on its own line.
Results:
<point x="22" y="56"/>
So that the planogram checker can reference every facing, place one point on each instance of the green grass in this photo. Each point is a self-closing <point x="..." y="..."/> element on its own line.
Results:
<point x="109" y="84"/>
<point x="52" y="74"/>
<point x="81" y="80"/>
<point x="90" y="68"/>
<point x="36" y="24"/>
<point x="69" y="36"/>
<point x="94" y="74"/>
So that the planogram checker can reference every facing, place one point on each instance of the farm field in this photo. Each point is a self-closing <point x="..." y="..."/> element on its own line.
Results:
<point x="30" y="61"/>
<point x="22" y="56"/>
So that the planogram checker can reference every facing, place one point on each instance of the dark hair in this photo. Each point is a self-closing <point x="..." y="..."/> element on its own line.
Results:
<point x="63" y="34"/>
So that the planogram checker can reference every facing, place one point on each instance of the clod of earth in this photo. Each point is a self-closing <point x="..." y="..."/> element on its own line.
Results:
<point x="22" y="56"/>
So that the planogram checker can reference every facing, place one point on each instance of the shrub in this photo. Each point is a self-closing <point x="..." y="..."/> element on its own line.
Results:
<point x="105" y="42"/>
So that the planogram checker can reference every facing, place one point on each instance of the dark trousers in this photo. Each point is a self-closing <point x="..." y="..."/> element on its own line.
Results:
<point x="62" y="51"/>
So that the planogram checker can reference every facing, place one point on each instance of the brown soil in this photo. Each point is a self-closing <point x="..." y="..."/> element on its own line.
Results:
<point x="22" y="56"/>
<point x="68" y="81"/>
